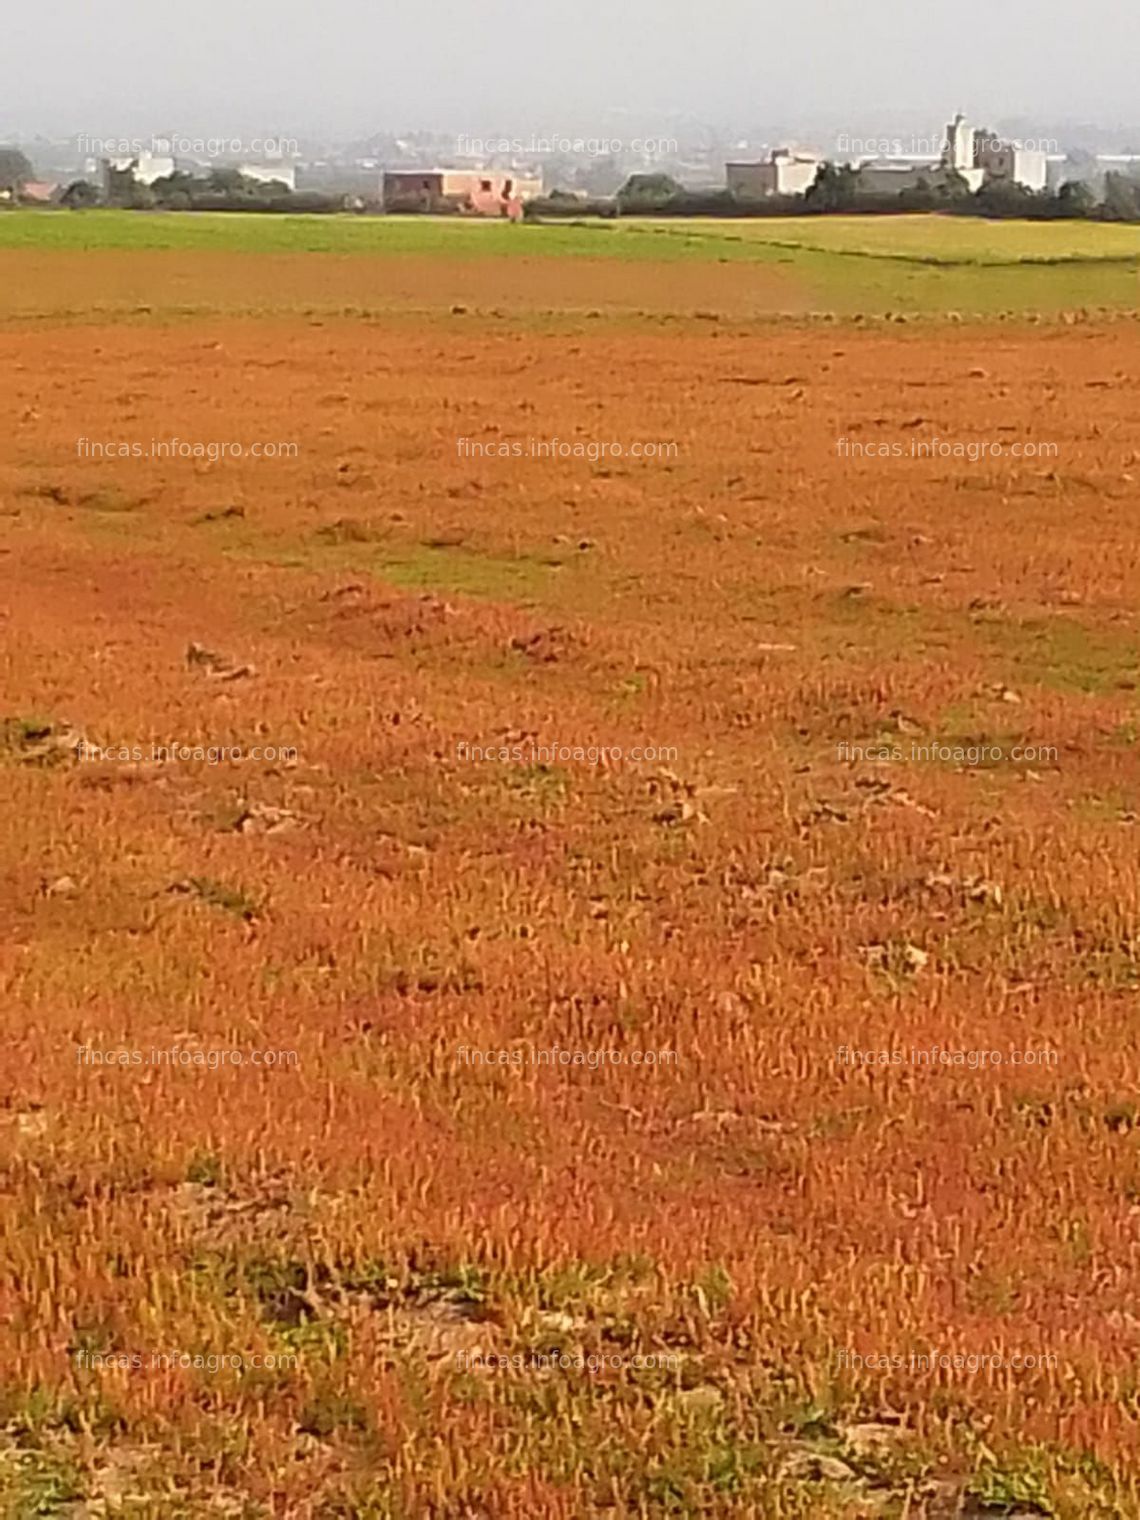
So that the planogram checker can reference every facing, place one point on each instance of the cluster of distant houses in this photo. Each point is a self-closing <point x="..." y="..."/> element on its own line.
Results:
<point x="975" y="155"/>
<point x="487" y="192"/>
<point x="146" y="168"/>
<point x="965" y="155"/>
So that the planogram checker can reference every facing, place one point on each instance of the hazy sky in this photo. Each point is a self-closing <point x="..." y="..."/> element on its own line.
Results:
<point x="348" y="67"/>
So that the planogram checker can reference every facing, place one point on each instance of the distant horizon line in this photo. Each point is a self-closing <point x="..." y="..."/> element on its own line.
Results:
<point x="872" y="124"/>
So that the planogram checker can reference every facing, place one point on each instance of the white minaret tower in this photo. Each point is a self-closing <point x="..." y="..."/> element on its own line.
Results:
<point x="959" y="152"/>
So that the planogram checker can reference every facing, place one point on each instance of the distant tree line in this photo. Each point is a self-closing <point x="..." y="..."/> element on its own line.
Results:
<point x="837" y="189"/>
<point x="218" y="189"/>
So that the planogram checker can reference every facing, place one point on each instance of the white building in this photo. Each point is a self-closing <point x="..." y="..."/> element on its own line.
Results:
<point x="959" y="150"/>
<point x="1008" y="163"/>
<point x="996" y="160"/>
<point x="915" y="171"/>
<point x="891" y="177"/>
<point x="265" y="173"/>
<point x="786" y="172"/>
<point x="974" y="154"/>
<point x="146" y="167"/>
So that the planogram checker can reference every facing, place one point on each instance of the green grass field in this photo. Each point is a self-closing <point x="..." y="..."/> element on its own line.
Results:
<point x="947" y="240"/>
<point x="920" y="265"/>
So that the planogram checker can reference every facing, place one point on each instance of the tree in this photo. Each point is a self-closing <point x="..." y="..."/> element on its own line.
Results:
<point x="1005" y="197"/>
<point x="1121" y="198"/>
<point x="223" y="181"/>
<point x="834" y="188"/>
<point x="120" y="183"/>
<point x="953" y="185"/>
<point x="14" y="169"/>
<point x="80" y="195"/>
<point x="643" y="192"/>
<point x="1075" y="199"/>
<point x="180" y="179"/>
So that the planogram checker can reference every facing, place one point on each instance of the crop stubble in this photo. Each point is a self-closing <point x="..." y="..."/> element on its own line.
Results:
<point x="754" y="602"/>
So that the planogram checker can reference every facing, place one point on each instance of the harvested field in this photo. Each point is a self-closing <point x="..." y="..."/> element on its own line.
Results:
<point x="94" y="285"/>
<point x="878" y="792"/>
